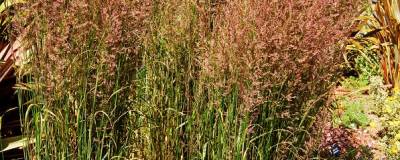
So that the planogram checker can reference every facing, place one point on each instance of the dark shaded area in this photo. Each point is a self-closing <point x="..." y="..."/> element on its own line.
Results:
<point x="10" y="124"/>
<point x="7" y="96"/>
<point x="14" y="154"/>
<point x="350" y="73"/>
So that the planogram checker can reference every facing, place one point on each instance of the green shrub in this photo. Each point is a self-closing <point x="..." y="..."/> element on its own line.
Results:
<point x="355" y="83"/>
<point x="353" y="115"/>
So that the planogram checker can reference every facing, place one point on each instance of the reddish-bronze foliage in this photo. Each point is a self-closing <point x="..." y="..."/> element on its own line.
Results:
<point x="283" y="56"/>
<point x="60" y="31"/>
<point x="265" y="44"/>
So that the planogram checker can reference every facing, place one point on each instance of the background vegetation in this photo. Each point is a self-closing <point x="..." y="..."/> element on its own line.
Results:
<point x="367" y="104"/>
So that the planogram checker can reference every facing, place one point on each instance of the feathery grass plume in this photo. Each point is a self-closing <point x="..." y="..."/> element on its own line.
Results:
<point x="282" y="58"/>
<point x="184" y="116"/>
<point x="82" y="57"/>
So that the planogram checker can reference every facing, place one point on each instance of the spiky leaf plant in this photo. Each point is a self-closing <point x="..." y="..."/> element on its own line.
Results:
<point x="387" y="14"/>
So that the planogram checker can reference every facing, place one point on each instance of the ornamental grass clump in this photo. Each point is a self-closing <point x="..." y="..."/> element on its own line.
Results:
<point x="177" y="79"/>
<point x="78" y="74"/>
<point x="282" y="59"/>
<point x="220" y="80"/>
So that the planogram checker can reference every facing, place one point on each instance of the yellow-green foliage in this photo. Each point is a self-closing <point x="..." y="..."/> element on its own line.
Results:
<point x="389" y="119"/>
<point x="375" y="113"/>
